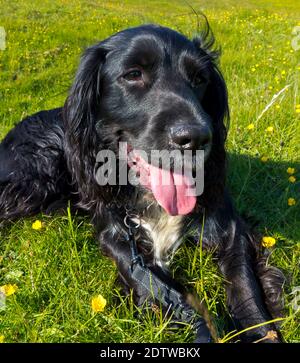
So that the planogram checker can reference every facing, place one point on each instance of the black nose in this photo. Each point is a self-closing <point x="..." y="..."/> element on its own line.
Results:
<point x="190" y="137"/>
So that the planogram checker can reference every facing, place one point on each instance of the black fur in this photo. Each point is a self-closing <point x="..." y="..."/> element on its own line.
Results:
<point x="50" y="157"/>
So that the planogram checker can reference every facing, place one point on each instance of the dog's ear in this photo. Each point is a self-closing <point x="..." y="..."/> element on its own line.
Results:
<point x="215" y="100"/>
<point x="80" y="115"/>
<point x="215" y="103"/>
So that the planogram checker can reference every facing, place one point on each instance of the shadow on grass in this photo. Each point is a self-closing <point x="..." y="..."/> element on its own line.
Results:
<point x="261" y="192"/>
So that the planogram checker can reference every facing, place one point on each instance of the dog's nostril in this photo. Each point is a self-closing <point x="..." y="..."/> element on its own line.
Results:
<point x="190" y="137"/>
<point x="184" y="141"/>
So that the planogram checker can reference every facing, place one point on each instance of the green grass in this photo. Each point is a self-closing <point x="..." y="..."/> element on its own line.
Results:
<point x="59" y="268"/>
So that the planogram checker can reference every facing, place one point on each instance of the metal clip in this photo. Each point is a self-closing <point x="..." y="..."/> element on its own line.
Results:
<point x="132" y="227"/>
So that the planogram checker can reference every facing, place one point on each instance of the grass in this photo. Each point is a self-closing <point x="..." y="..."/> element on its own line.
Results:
<point x="59" y="268"/>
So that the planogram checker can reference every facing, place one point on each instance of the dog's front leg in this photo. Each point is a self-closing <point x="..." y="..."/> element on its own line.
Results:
<point x="118" y="249"/>
<point x="245" y="296"/>
<point x="150" y="284"/>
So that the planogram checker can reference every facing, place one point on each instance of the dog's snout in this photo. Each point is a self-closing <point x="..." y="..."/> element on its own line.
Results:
<point x="190" y="137"/>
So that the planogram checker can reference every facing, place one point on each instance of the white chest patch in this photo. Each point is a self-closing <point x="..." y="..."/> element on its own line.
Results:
<point x="164" y="231"/>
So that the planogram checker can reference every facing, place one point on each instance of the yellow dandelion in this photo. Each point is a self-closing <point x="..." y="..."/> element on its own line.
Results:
<point x="2" y="338"/>
<point x="283" y="73"/>
<point x="292" y="179"/>
<point x="291" y="202"/>
<point x="264" y="159"/>
<point x="98" y="303"/>
<point x="278" y="107"/>
<point x="9" y="289"/>
<point x="268" y="241"/>
<point x="253" y="69"/>
<point x="290" y="170"/>
<point x="270" y="129"/>
<point x="250" y="127"/>
<point x="297" y="110"/>
<point x="37" y="225"/>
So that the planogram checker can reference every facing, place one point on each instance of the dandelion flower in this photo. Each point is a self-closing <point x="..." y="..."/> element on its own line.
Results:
<point x="278" y="107"/>
<point x="98" y="303"/>
<point x="270" y="129"/>
<point x="264" y="159"/>
<point x="291" y="171"/>
<point x="298" y="108"/>
<point x="250" y="127"/>
<point x="253" y="69"/>
<point x="37" y="225"/>
<point x="292" y="179"/>
<point x="1" y="338"/>
<point x="291" y="202"/>
<point x="268" y="242"/>
<point x="9" y="289"/>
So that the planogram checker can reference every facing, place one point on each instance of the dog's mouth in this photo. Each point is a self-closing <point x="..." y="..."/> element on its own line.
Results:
<point x="174" y="191"/>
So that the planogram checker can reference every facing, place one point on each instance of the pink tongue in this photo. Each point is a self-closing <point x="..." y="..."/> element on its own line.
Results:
<point x="172" y="191"/>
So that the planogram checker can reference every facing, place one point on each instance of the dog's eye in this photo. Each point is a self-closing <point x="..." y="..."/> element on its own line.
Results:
<point x="134" y="75"/>
<point x="198" y="80"/>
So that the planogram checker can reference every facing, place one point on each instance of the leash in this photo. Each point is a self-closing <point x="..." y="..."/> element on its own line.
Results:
<point x="170" y="298"/>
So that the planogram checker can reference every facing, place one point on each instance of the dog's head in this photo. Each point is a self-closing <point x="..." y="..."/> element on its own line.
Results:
<point x="154" y="89"/>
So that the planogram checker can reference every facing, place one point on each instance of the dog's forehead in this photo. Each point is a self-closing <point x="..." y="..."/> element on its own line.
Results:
<point x="143" y="49"/>
<point x="146" y="45"/>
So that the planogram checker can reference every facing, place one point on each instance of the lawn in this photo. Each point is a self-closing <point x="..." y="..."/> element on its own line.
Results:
<point x="58" y="269"/>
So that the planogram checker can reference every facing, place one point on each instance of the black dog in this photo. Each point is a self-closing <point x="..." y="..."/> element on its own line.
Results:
<point x="154" y="89"/>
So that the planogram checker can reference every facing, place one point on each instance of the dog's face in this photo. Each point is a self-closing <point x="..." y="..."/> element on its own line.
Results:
<point x="154" y="89"/>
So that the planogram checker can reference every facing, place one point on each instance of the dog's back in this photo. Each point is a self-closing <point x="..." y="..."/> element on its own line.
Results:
<point x="32" y="165"/>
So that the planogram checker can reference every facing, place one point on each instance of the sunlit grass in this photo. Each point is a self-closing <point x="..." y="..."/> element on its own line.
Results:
<point x="58" y="268"/>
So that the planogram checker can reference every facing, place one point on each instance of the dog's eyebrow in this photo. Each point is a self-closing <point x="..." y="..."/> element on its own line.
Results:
<point x="191" y="63"/>
<point x="143" y="52"/>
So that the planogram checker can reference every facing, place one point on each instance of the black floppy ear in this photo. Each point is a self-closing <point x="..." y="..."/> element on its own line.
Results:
<point x="215" y="103"/>
<point x="215" y="100"/>
<point x="80" y="115"/>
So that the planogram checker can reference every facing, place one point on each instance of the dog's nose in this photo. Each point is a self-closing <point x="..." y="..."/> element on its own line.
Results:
<point x="190" y="137"/>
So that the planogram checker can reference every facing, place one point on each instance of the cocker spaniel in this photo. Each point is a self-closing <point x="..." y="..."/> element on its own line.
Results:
<point x="153" y="89"/>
